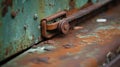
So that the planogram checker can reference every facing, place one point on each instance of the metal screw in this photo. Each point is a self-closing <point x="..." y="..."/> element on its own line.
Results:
<point x="13" y="14"/>
<point x="35" y="17"/>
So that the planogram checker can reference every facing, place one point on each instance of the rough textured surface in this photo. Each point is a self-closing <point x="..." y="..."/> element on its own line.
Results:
<point x="90" y="45"/>
<point x="20" y="20"/>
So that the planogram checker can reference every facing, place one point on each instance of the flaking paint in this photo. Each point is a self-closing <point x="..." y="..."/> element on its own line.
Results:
<point x="22" y="31"/>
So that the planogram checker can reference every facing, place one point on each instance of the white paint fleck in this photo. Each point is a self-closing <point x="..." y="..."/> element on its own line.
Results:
<point x="101" y="20"/>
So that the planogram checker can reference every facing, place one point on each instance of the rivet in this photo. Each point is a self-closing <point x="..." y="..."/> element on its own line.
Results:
<point x="35" y="17"/>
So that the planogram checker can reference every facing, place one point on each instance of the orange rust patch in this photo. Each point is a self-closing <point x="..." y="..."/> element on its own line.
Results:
<point x="91" y="62"/>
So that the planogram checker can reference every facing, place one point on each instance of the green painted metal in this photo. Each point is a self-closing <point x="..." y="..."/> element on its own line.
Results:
<point x="23" y="30"/>
<point x="80" y="3"/>
<point x="20" y="32"/>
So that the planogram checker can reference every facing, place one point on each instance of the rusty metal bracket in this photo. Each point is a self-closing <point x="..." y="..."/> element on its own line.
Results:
<point x="46" y="27"/>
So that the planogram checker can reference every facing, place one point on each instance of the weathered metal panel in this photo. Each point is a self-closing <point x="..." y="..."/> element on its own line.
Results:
<point x="18" y="28"/>
<point x="91" y="44"/>
<point x="20" y="20"/>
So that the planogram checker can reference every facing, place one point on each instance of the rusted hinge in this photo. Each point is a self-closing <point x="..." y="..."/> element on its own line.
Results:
<point x="59" y="26"/>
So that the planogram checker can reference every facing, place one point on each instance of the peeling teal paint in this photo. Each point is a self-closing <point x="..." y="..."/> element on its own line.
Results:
<point x="22" y="31"/>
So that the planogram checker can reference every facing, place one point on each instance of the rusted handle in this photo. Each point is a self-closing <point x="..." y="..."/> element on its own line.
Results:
<point x="44" y="30"/>
<point x="51" y="26"/>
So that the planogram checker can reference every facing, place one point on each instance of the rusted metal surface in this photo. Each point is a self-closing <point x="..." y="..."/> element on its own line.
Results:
<point x="19" y="30"/>
<point x="87" y="10"/>
<point x="89" y="46"/>
<point x="20" y="22"/>
<point x="5" y="4"/>
<point x="87" y="52"/>
<point x="63" y="25"/>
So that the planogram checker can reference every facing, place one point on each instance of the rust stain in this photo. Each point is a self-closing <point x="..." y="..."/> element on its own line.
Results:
<point x="7" y="50"/>
<point x="90" y="62"/>
<point x="86" y="5"/>
<point x="73" y="9"/>
<point x="4" y="11"/>
<point x="5" y="4"/>
<point x="13" y="14"/>
<point x="72" y="4"/>
<point x="109" y="36"/>
<point x="91" y="53"/>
